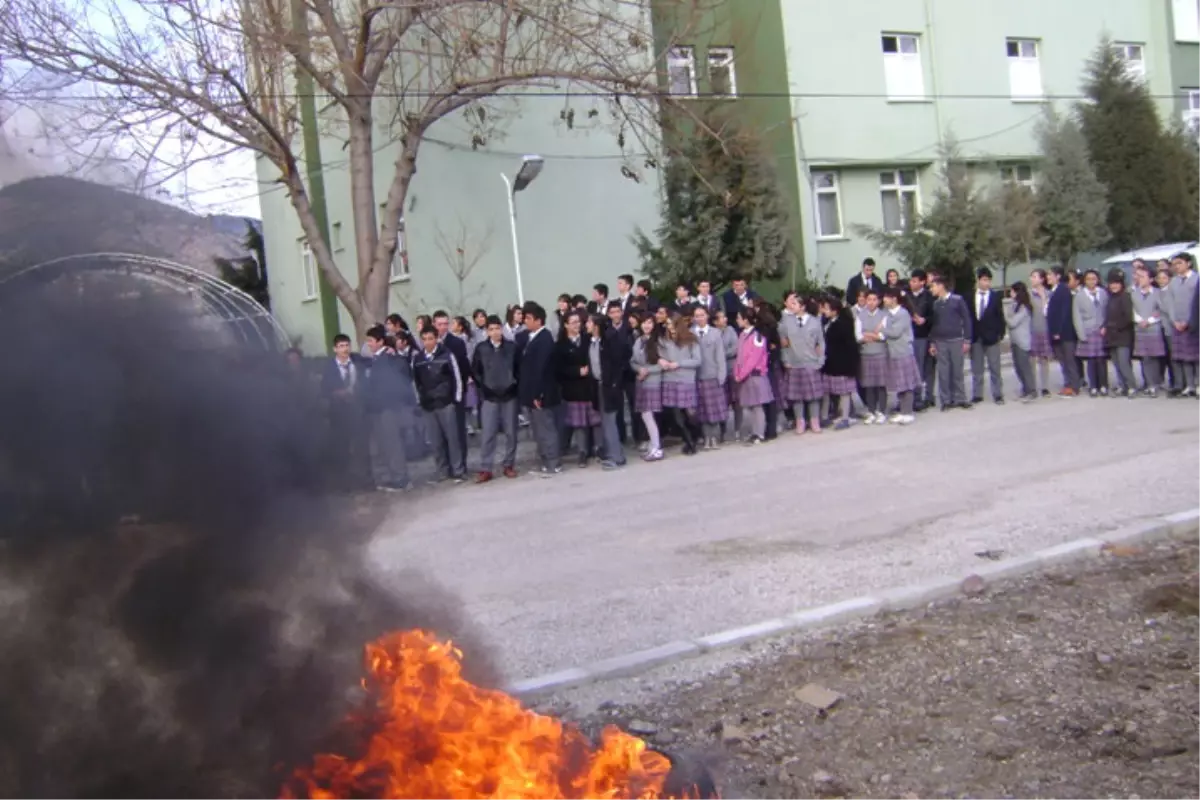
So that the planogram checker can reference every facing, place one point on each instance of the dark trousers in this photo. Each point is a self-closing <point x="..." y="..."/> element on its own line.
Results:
<point x="926" y="367"/>
<point x="347" y="445"/>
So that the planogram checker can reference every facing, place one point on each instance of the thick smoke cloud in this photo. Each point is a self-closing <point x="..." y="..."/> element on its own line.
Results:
<point x="184" y="607"/>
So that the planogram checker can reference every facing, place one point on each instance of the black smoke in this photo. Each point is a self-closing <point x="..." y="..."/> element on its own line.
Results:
<point x="183" y="604"/>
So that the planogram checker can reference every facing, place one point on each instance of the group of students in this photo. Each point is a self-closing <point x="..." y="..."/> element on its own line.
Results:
<point x="714" y="369"/>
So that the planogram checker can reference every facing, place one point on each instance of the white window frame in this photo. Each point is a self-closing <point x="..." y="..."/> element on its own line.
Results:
<point x="833" y="190"/>
<point x="1024" y="69"/>
<point x="308" y="270"/>
<point x="1186" y="18"/>
<point x="399" y="270"/>
<point x="682" y="57"/>
<point x="1135" y="67"/>
<point x="1011" y="173"/>
<point x="902" y="63"/>
<point x="900" y="189"/>
<point x="722" y="58"/>
<point x="1191" y="111"/>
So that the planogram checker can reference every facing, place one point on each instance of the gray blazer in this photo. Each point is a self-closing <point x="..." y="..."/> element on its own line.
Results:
<point x="1020" y="324"/>
<point x="688" y="359"/>
<point x="1149" y="309"/>
<point x="654" y="372"/>
<point x="1037" y="323"/>
<point x="1087" y="314"/>
<point x="712" y="356"/>
<point x="897" y="332"/>
<point x="1180" y="293"/>
<point x="806" y="341"/>
<point x="866" y="322"/>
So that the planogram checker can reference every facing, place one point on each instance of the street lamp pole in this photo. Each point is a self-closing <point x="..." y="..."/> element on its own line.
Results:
<point x="531" y="167"/>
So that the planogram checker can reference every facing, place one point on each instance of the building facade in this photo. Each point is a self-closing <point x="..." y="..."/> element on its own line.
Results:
<point x="853" y="99"/>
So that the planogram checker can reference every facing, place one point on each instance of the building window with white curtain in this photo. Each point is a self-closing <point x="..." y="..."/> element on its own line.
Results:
<point x="681" y="72"/>
<point x="903" y="74"/>
<point x="1024" y="69"/>
<point x="899" y="194"/>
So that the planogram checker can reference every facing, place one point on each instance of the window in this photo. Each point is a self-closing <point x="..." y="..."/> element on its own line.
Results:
<point x="399" y="267"/>
<point x="308" y="266"/>
<point x="681" y="72"/>
<point x="1017" y="173"/>
<point x="898" y="191"/>
<point x="1134" y="57"/>
<point x="335" y="237"/>
<point x="720" y="72"/>
<point x="1191" y="115"/>
<point x="1187" y="20"/>
<point x="1024" y="69"/>
<point x="829" y="205"/>
<point x="902" y="72"/>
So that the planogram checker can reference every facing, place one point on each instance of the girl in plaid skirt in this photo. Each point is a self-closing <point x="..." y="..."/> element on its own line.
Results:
<point x="750" y="374"/>
<point x="803" y="342"/>
<point x="729" y="340"/>
<point x="713" y="404"/>
<point x="1149" y="346"/>
<point x="680" y="358"/>
<point x="840" y="372"/>
<point x="1087" y="311"/>
<point x="903" y="377"/>
<point x="571" y="357"/>
<point x="648" y="399"/>
<point x="1040" y="348"/>
<point x="873" y="359"/>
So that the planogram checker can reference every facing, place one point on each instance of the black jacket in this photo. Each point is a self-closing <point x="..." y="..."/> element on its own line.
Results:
<point x="536" y="379"/>
<point x="616" y="350"/>
<point x="496" y="370"/>
<point x="857" y="282"/>
<point x="733" y="304"/>
<point x="458" y="349"/>
<point x="841" y="348"/>
<point x="990" y="328"/>
<point x="389" y="383"/>
<point x="331" y="379"/>
<point x="569" y="359"/>
<point x="438" y="379"/>
<point x="922" y="307"/>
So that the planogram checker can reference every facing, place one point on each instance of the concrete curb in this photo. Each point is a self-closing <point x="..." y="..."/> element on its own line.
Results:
<point x="1183" y="525"/>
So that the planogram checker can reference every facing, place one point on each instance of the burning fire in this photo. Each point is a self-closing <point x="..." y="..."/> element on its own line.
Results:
<point x="430" y="733"/>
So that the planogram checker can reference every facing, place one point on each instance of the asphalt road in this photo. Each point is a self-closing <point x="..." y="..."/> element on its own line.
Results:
<point x="587" y="565"/>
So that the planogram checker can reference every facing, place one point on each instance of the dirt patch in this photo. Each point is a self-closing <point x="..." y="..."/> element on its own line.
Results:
<point x="1076" y="683"/>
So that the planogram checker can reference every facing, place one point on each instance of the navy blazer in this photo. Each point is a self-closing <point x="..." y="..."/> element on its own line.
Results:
<point x="1059" y="322"/>
<point x="989" y="329"/>
<point x="536" y="379"/>
<point x="732" y="304"/>
<point x="331" y="376"/>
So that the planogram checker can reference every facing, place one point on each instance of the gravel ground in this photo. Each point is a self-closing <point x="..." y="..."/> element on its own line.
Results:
<point x="1076" y="683"/>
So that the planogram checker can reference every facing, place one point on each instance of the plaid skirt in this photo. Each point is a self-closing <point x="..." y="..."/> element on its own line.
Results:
<point x="902" y="374"/>
<point x="1040" y="346"/>
<point x="1185" y="346"/>
<point x="801" y="384"/>
<point x="648" y="398"/>
<point x="837" y="385"/>
<point x="679" y="395"/>
<point x="581" y="415"/>
<point x="713" y="402"/>
<point x="1149" y="343"/>
<point x="755" y="391"/>
<point x="1092" y="346"/>
<point x="872" y="370"/>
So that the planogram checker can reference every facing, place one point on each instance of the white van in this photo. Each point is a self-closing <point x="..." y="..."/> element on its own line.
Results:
<point x="1150" y="255"/>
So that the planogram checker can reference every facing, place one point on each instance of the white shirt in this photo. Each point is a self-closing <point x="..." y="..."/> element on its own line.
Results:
<point x="981" y="303"/>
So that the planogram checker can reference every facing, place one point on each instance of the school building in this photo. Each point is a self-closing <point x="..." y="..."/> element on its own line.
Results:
<point x="853" y="99"/>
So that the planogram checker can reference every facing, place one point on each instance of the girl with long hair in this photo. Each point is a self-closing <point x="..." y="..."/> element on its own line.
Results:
<point x="840" y="371"/>
<point x="648" y="397"/>
<point x="679" y="356"/>
<point x="571" y="356"/>
<point x="803" y="343"/>
<point x="1040" y="347"/>
<point x="1088" y="311"/>
<point x="903" y="377"/>
<point x="750" y="374"/>
<point x="1018" y="316"/>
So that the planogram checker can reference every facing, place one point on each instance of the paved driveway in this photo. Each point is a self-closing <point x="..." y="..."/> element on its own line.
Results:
<point x="589" y="564"/>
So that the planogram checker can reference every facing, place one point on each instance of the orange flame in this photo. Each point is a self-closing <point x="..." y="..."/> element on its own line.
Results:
<point x="431" y="733"/>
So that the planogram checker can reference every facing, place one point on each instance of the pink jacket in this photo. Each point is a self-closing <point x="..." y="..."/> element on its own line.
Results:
<point x="751" y="357"/>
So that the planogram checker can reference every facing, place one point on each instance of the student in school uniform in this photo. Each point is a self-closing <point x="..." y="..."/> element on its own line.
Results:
<point x="1040" y="348"/>
<point x="648" y="401"/>
<point x="625" y="323"/>
<point x="1185" y="340"/>
<point x="608" y="358"/>
<point x="1118" y="332"/>
<point x="571" y="357"/>
<point x="987" y="330"/>
<point x="729" y="343"/>
<point x="1060" y="324"/>
<point x="342" y="382"/>
<point x="1087" y="313"/>
<point x="768" y="326"/>
<point x="1018" y="317"/>
<point x="872" y="370"/>
<point x="840" y="372"/>
<point x="514" y="322"/>
<point x="440" y="388"/>
<point x="949" y="341"/>
<point x="385" y="414"/>
<point x="537" y="389"/>
<point x="922" y="316"/>
<point x="706" y="299"/>
<point x="712" y="402"/>
<point x="1162" y="280"/>
<point x="750" y="374"/>
<point x="1149" y="346"/>
<point x="460" y="327"/>
<point x="679" y="356"/>
<point x="803" y="351"/>
<point x="903" y="379"/>
<point x="495" y="367"/>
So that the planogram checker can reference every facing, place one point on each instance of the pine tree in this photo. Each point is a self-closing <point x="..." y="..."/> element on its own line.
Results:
<point x="725" y="214"/>
<point x="1180" y="193"/>
<point x="1071" y="202"/>
<point x="1128" y="148"/>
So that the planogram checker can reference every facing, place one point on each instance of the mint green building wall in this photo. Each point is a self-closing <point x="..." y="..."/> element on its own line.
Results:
<point x="1184" y="46"/>
<point x="846" y="124"/>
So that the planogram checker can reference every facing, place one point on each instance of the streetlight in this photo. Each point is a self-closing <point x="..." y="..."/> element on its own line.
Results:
<point x="531" y="167"/>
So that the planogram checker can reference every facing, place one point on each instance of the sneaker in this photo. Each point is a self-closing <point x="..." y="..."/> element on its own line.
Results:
<point x="1104" y="392"/>
<point x="610" y="466"/>
<point x="1045" y="392"/>
<point x="458" y="479"/>
<point x="1152" y="393"/>
<point x="905" y="419"/>
<point x="509" y="472"/>
<point x="1093" y="393"/>
<point x="471" y="429"/>
<point x="714" y="444"/>
<point x="1067" y="392"/>
<point x="880" y="419"/>
<point x="999" y="401"/>
<point x="522" y="422"/>
<point x="484" y="477"/>
<point x="644" y="448"/>
<point x="1188" y="392"/>
<point x="653" y="455"/>
<point x="753" y="441"/>
<point x="869" y="419"/>
<point x="894" y="418"/>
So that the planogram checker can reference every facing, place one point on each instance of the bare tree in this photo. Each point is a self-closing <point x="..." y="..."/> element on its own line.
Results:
<point x="462" y="252"/>
<point x="384" y="72"/>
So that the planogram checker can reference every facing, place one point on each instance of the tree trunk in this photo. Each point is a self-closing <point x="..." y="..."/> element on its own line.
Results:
<point x="374" y="283"/>
<point x="372" y="286"/>
<point x="316" y="240"/>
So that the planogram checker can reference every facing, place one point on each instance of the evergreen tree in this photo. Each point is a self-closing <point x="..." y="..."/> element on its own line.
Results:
<point x="1128" y="148"/>
<point x="1071" y="202"/>
<point x="1016" y="230"/>
<point x="1180" y="193"/>
<point x="725" y="214"/>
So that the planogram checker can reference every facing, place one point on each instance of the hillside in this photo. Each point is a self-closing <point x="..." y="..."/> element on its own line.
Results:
<point x="49" y="217"/>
